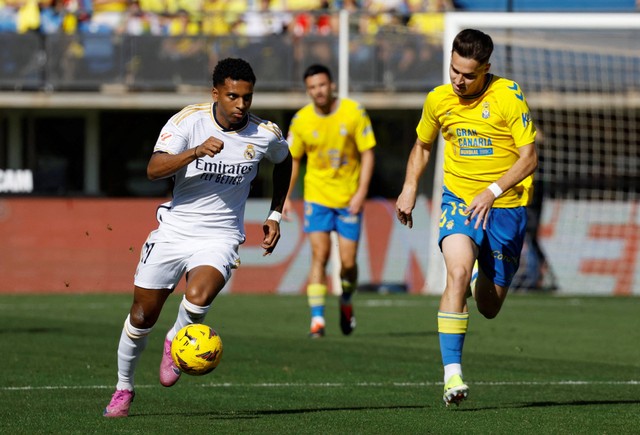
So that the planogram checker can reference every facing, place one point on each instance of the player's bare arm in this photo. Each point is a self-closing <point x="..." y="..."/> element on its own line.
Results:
<point x="417" y="163"/>
<point x="271" y="226"/>
<point x="163" y="165"/>
<point x="367" y="163"/>
<point x="287" y="210"/>
<point x="523" y="167"/>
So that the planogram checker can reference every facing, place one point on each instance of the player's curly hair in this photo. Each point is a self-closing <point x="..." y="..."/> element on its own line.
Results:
<point x="234" y="69"/>
<point x="473" y="44"/>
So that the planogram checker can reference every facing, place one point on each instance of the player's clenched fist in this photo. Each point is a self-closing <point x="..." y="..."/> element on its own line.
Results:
<point x="209" y="147"/>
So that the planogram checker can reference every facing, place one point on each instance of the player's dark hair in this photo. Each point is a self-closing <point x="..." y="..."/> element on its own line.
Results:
<point x="316" y="68"/>
<point x="234" y="69"/>
<point x="473" y="44"/>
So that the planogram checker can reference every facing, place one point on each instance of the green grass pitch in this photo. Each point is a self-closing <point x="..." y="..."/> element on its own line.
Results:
<point x="545" y="365"/>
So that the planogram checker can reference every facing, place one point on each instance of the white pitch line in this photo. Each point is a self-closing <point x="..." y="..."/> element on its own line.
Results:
<point x="330" y="385"/>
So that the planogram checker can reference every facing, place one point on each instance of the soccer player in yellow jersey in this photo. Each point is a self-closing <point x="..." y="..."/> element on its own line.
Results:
<point x="489" y="159"/>
<point x="338" y="140"/>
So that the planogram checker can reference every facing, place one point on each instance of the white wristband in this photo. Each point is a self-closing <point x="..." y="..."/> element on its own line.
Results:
<point x="275" y="216"/>
<point x="495" y="189"/>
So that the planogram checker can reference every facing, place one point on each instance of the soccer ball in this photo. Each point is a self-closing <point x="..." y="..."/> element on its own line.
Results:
<point x="196" y="349"/>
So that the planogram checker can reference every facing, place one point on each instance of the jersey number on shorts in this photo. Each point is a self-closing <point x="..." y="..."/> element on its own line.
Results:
<point x="455" y="208"/>
<point x="148" y="247"/>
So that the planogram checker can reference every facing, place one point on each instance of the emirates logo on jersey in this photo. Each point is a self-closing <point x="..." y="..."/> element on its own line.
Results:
<point x="250" y="152"/>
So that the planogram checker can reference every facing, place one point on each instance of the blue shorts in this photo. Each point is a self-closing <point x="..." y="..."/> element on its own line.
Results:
<point x="500" y="244"/>
<point x="320" y="218"/>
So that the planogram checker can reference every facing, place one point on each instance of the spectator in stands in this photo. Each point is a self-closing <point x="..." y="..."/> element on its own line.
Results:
<point x="157" y="7"/>
<point x="350" y="5"/>
<point x="51" y="15"/>
<point x="76" y="16"/>
<point x="183" y="24"/>
<point x="221" y="16"/>
<point x="324" y="23"/>
<point x="140" y="22"/>
<point x="108" y="15"/>
<point x="304" y="5"/>
<point x="308" y="17"/>
<point x="265" y="20"/>
<point x="430" y="20"/>
<point x="193" y="9"/>
<point x="28" y="18"/>
<point x="385" y="14"/>
<point x="8" y="15"/>
<point x="302" y="24"/>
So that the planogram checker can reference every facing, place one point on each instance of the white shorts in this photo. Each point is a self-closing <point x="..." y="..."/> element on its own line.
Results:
<point x="162" y="263"/>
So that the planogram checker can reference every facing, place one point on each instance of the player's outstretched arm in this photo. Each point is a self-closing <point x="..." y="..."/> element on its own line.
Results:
<point x="271" y="226"/>
<point x="417" y="163"/>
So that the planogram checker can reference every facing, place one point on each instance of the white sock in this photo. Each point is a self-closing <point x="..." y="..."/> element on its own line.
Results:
<point x="317" y="319"/>
<point x="132" y="342"/>
<point x="450" y="370"/>
<point x="188" y="313"/>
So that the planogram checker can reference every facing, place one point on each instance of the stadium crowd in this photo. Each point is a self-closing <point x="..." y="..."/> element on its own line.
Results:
<point x="214" y="17"/>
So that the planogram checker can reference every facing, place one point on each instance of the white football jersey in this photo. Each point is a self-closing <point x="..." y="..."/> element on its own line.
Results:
<point x="209" y="194"/>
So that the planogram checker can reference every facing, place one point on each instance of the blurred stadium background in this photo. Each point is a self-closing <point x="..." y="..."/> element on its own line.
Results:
<point x="86" y="86"/>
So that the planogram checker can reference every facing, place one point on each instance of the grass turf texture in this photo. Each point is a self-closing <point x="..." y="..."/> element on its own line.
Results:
<point x="545" y="365"/>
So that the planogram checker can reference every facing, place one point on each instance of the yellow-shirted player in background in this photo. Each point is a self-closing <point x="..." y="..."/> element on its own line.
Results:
<point x="489" y="159"/>
<point x="338" y="140"/>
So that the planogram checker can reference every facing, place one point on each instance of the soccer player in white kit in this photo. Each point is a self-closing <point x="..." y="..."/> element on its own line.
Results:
<point x="212" y="152"/>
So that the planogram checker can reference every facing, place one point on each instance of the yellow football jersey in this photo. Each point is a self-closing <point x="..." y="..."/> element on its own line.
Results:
<point x="482" y="137"/>
<point x="333" y="144"/>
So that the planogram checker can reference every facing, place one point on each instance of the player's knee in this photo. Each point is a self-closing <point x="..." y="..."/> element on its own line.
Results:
<point x="321" y="256"/>
<point x="349" y="269"/>
<point x="459" y="277"/>
<point x="201" y="297"/>
<point x="142" y="318"/>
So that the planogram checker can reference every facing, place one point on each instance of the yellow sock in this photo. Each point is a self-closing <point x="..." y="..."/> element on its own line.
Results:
<point x="316" y="296"/>
<point x="452" y="328"/>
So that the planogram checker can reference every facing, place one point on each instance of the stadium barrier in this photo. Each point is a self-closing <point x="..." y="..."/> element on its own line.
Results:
<point x="92" y="245"/>
<point x="389" y="61"/>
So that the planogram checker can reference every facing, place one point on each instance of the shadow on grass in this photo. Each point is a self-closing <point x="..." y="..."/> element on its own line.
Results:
<point x="547" y="404"/>
<point x="32" y="330"/>
<point x="248" y="414"/>
<point x="397" y="334"/>
<point x="412" y="334"/>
